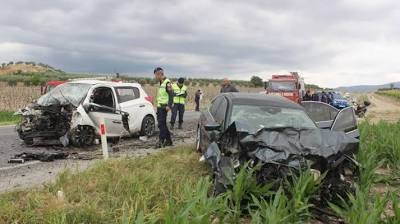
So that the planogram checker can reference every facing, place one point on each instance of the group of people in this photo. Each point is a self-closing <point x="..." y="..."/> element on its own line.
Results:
<point x="323" y="96"/>
<point x="172" y="97"/>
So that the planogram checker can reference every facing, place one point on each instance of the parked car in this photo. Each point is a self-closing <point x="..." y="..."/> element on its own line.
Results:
<point x="281" y="136"/>
<point x="338" y="101"/>
<point x="71" y="113"/>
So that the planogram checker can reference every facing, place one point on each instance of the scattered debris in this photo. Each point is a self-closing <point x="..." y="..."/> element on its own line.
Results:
<point x="41" y="156"/>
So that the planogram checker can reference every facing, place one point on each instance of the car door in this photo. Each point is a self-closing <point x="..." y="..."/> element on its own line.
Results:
<point x="321" y="113"/>
<point x="208" y="117"/>
<point x="104" y="105"/>
<point x="346" y="121"/>
<point x="130" y="102"/>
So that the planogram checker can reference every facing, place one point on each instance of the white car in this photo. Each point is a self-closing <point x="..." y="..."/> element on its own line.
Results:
<point x="72" y="112"/>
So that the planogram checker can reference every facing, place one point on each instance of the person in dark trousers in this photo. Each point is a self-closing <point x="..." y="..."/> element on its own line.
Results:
<point x="227" y="86"/>
<point x="324" y="97"/>
<point x="164" y="104"/>
<point x="307" y="96"/>
<point x="315" y="96"/>
<point x="180" y="94"/>
<point x="197" y="98"/>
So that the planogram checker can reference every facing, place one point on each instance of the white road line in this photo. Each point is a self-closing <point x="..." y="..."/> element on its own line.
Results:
<point x="19" y="165"/>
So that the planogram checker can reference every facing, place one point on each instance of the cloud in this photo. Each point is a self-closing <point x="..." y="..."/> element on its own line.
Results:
<point x="331" y="43"/>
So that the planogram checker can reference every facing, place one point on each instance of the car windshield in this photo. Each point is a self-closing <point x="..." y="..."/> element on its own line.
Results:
<point x="68" y="93"/>
<point x="256" y="117"/>
<point x="281" y="86"/>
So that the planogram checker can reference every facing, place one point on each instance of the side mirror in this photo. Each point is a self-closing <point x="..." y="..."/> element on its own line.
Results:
<point x="212" y="127"/>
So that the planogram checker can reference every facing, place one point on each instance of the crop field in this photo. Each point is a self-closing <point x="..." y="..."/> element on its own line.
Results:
<point x="173" y="187"/>
<point x="394" y="93"/>
<point x="14" y="97"/>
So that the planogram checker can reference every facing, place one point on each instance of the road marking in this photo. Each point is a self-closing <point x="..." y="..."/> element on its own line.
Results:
<point x="19" y="165"/>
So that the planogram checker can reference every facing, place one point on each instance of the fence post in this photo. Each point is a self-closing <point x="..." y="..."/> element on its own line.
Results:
<point x="103" y="135"/>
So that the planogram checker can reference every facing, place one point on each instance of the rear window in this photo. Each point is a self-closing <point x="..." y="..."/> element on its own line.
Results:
<point x="125" y="94"/>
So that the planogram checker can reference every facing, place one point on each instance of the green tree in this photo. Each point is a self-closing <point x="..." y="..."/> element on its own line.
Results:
<point x="256" y="81"/>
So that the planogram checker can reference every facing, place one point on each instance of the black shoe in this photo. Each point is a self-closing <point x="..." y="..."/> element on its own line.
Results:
<point x="159" y="145"/>
<point x="168" y="143"/>
<point x="180" y="126"/>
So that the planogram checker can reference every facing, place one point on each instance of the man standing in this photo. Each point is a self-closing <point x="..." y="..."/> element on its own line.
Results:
<point x="164" y="104"/>
<point x="180" y="94"/>
<point x="227" y="86"/>
<point x="307" y="96"/>
<point x="197" y="99"/>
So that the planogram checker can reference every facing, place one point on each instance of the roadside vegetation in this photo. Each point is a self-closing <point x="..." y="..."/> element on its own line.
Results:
<point x="393" y="93"/>
<point x="7" y="118"/>
<point x="173" y="187"/>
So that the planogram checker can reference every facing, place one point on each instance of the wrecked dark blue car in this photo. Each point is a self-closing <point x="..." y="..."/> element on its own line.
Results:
<point x="280" y="136"/>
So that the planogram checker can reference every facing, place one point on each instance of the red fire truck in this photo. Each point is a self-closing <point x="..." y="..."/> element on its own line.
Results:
<point x="290" y="86"/>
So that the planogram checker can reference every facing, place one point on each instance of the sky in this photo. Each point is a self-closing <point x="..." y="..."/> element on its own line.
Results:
<point x="330" y="43"/>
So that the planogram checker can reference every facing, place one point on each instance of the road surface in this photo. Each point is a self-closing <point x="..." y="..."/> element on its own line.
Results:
<point x="14" y="176"/>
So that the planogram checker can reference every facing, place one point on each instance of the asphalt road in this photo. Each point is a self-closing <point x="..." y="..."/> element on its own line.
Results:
<point x="10" y="144"/>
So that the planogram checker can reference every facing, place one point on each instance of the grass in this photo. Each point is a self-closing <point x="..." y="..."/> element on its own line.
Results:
<point x="173" y="187"/>
<point x="393" y="93"/>
<point x="7" y="118"/>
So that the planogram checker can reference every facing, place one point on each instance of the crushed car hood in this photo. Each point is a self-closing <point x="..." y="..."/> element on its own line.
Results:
<point x="284" y="145"/>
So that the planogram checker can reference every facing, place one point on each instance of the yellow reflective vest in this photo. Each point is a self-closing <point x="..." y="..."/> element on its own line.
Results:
<point x="179" y="92"/>
<point x="162" y="94"/>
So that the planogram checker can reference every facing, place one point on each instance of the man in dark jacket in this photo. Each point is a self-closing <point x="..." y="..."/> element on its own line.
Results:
<point x="227" y="86"/>
<point x="307" y="96"/>
<point x="197" y="99"/>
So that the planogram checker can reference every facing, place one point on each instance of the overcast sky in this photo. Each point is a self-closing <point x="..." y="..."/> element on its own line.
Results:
<point x="331" y="43"/>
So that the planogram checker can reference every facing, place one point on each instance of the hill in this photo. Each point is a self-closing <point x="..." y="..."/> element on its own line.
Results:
<point x="25" y="67"/>
<point x="366" y="88"/>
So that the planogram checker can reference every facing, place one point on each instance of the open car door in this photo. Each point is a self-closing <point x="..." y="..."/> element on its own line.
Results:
<point x="321" y="113"/>
<point x="103" y="105"/>
<point x="346" y="121"/>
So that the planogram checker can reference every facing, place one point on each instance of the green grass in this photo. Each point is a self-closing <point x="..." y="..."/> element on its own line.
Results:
<point x="393" y="93"/>
<point x="173" y="187"/>
<point x="7" y="118"/>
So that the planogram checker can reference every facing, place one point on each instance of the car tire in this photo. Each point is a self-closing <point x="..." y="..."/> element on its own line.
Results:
<point x="148" y="126"/>
<point x="198" y="140"/>
<point x="82" y="135"/>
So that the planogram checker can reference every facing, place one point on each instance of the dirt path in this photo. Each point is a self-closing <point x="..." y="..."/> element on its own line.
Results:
<point x="383" y="108"/>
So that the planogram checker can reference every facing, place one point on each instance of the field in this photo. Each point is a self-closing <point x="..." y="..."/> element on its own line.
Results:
<point x="394" y="93"/>
<point x="172" y="187"/>
<point x="15" y="97"/>
<point x="8" y="118"/>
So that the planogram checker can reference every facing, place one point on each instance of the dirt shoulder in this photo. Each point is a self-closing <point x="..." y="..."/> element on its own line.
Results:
<point x="383" y="108"/>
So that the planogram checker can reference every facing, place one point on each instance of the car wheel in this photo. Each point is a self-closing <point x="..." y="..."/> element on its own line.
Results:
<point x="198" y="139"/>
<point x="82" y="136"/>
<point x="148" y="126"/>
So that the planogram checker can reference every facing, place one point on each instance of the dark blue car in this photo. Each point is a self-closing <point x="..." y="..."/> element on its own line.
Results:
<point x="338" y="101"/>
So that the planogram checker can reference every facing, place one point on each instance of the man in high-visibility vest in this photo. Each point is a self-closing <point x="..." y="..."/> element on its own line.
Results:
<point x="180" y="94"/>
<point x="164" y="104"/>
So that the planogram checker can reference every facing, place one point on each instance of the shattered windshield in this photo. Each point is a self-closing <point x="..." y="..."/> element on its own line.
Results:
<point x="68" y="93"/>
<point x="282" y="86"/>
<point x="257" y="117"/>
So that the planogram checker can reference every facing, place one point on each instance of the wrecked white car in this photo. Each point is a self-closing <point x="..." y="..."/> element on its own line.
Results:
<point x="71" y="113"/>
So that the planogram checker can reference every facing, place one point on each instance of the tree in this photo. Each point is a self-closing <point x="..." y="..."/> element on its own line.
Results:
<point x="256" y="81"/>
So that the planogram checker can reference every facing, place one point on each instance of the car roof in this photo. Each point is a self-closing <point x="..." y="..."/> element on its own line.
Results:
<point x="261" y="99"/>
<point x="114" y="84"/>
